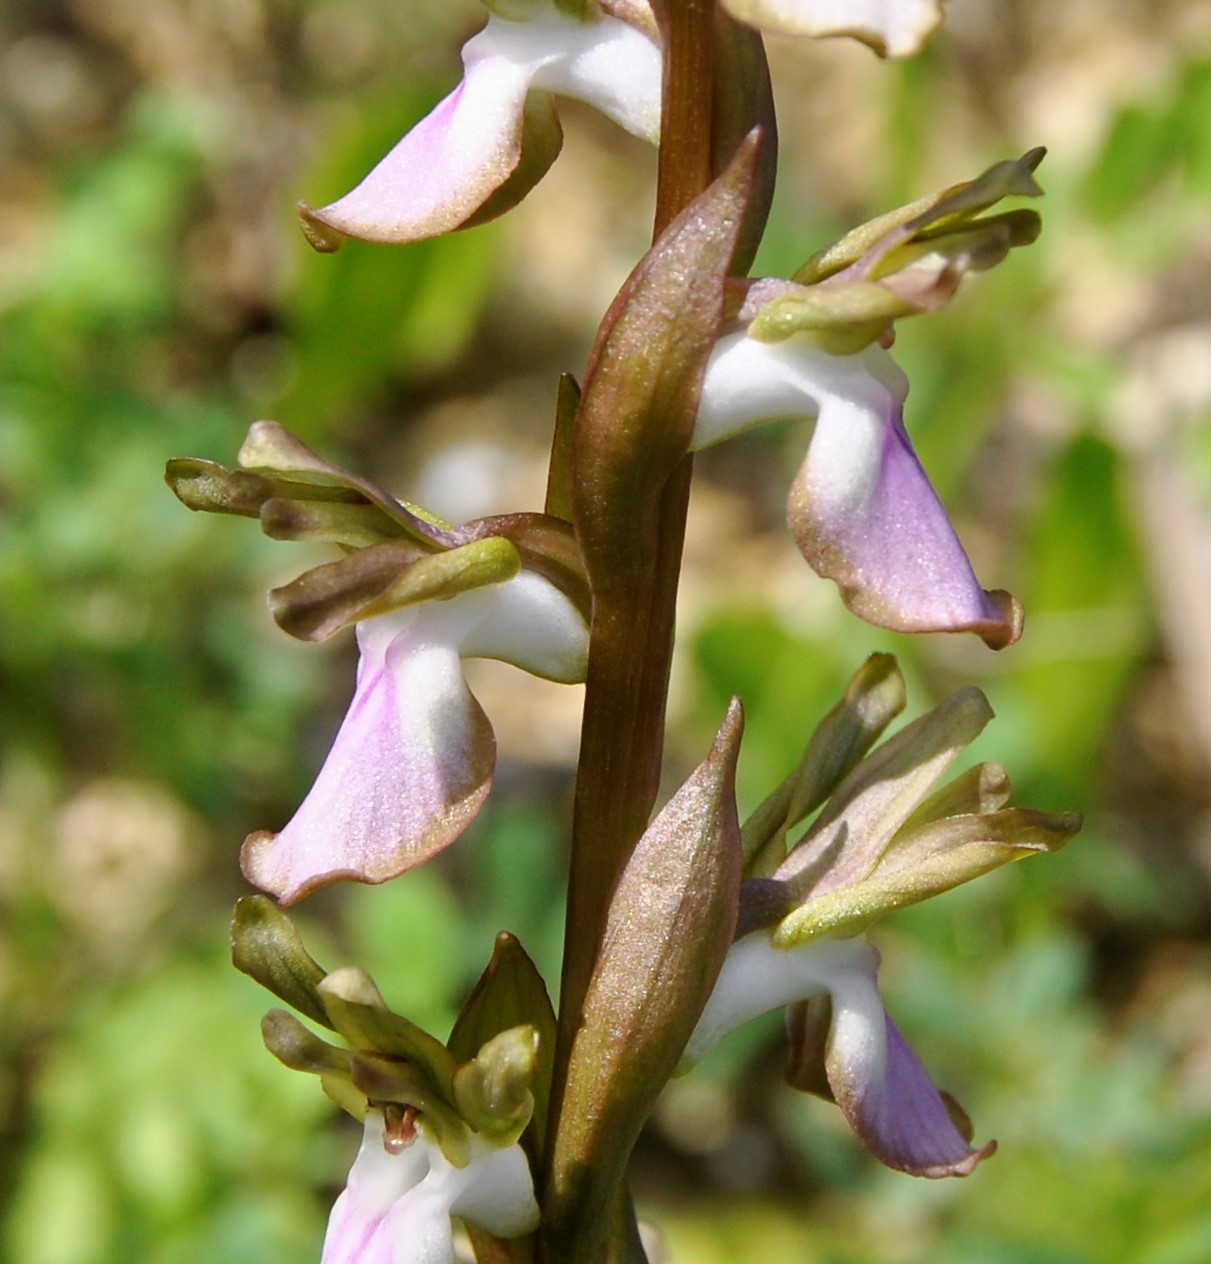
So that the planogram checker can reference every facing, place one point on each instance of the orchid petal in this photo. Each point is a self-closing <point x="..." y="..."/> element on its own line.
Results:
<point x="757" y="977"/>
<point x="491" y="140"/>
<point x="893" y="28"/>
<point x="406" y="774"/>
<point x="414" y="757"/>
<point x="397" y="1204"/>
<point x="874" y="1076"/>
<point x="882" y="1088"/>
<point x="861" y="508"/>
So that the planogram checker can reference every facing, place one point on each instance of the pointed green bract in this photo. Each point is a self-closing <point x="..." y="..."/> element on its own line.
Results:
<point x="670" y="925"/>
<point x="510" y="993"/>
<point x="645" y="373"/>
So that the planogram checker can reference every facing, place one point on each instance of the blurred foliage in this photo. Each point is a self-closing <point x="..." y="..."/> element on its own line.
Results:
<point x="153" y="301"/>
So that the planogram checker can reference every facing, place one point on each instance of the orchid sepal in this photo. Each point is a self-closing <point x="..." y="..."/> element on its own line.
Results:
<point x="927" y="862"/>
<point x="385" y="578"/>
<point x="869" y="250"/>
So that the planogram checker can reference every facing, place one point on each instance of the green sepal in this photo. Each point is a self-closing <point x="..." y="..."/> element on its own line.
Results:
<point x="511" y="992"/>
<point x="985" y="788"/>
<point x="670" y="925"/>
<point x="359" y="1013"/>
<point x="844" y="315"/>
<point x="270" y="446"/>
<point x="350" y="526"/>
<point x="842" y="319"/>
<point x="547" y="546"/>
<point x="925" y="862"/>
<point x="558" y="501"/>
<point x="294" y="1046"/>
<point x="873" y="698"/>
<point x="267" y="948"/>
<point x="343" y="509"/>
<point x="289" y="509"/>
<point x="493" y="1092"/>
<point x="877" y="798"/>
<point x="383" y="578"/>
<point x="956" y="206"/>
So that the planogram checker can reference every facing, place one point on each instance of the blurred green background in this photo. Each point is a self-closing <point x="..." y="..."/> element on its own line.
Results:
<point x="155" y="298"/>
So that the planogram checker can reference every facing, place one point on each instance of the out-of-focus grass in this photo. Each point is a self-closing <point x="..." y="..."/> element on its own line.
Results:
<point x="154" y="299"/>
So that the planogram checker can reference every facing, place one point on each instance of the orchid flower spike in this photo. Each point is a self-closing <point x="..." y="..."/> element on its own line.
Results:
<point x="414" y="757"/>
<point x="485" y="146"/>
<point x="893" y="28"/>
<point x="441" y="1133"/>
<point x="861" y="508"/>
<point x="881" y="840"/>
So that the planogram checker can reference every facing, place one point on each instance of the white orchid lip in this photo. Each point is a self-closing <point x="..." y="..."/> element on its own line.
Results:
<point x="483" y="148"/>
<point x="846" y="1046"/>
<point x="861" y="508"/>
<point x="414" y="757"/>
<point x="399" y="1199"/>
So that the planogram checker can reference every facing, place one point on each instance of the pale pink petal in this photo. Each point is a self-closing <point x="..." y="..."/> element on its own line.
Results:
<point x="884" y="1091"/>
<point x="861" y="508"/>
<point x="408" y="771"/>
<point x="491" y="140"/>
<point x="396" y="1206"/>
<point x="447" y="166"/>
<point x="364" y="1219"/>
<point x="893" y="28"/>
<point x="413" y="759"/>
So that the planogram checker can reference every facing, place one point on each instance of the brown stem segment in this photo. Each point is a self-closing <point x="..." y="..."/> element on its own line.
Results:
<point x="633" y="621"/>
<point x="631" y="644"/>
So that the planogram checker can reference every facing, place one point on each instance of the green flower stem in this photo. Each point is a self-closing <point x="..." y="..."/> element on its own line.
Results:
<point x="630" y="654"/>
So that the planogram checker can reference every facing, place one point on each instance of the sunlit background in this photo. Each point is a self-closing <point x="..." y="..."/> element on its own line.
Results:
<point x="156" y="297"/>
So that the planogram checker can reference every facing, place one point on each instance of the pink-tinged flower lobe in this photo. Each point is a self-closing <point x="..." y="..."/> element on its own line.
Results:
<point x="843" y="1045"/>
<point x="861" y="508"/>
<point x="893" y="28"/>
<point x="397" y="1205"/>
<point x="413" y="759"/>
<point x="482" y="149"/>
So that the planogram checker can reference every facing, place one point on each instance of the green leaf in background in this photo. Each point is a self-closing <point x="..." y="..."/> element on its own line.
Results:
<point x="367" y="314"/>
<point x="1088" y="614"/>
